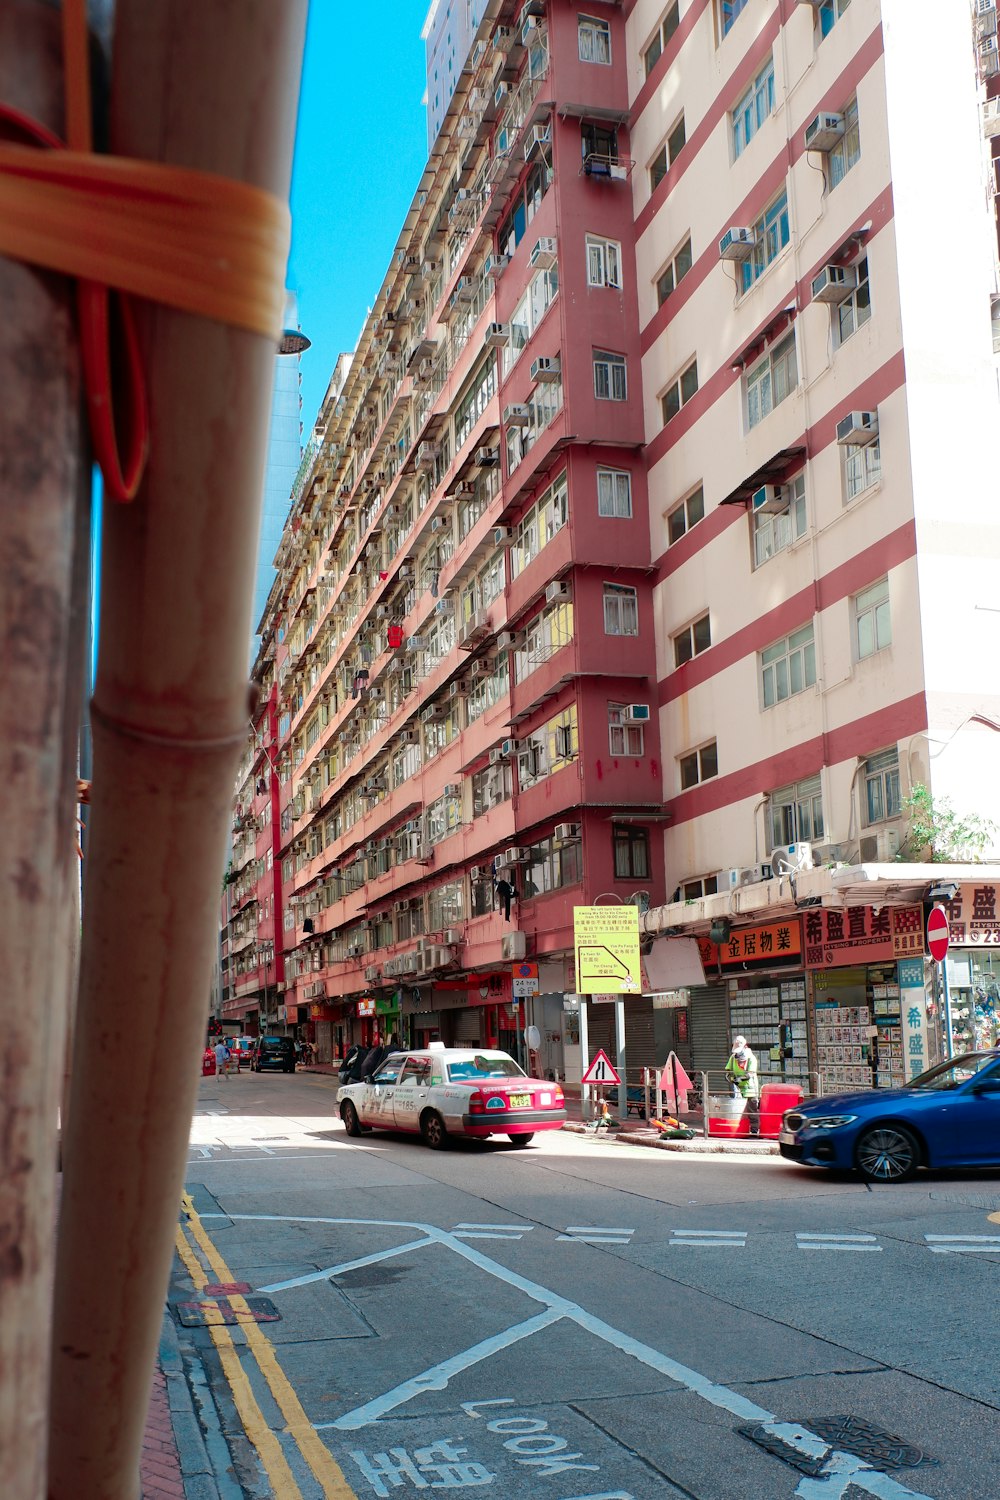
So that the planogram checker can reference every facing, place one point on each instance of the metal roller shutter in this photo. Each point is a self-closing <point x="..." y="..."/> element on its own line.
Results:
<point x="640" y="1044"/>
<point x="466" y="1030"/>
<point x="709" y="1022"/>
<point x="601" y="1030"/>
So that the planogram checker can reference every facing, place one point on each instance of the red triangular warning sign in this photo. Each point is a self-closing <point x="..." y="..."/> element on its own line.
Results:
<point x="601" y="1071"/>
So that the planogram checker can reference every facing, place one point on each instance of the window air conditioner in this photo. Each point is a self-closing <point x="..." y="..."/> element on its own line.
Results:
<point x="636" y="713"/>
<point x="824" y="131"/>
<point x="487" y="458"/>
<point x="513" y="946"/>
<point x="529" y="28"/>
<point x="497" y="335"/>
<point x="546" y="369"/>
<point x="476" y="872"/>
<point x="438" y="523"/>
<point x="770" y="500"/>
<point x="502" y="534"/>
<point x="481" y="669"/>
<point x="558" y="593"/>
<point x="539" y="135"/>
<point x="517" y="416"/>
<point x="371" y="973"/>
<point x="496" y="265"/>
<point x="566" y="833"/>
<point x="737" y="244"/>
<point x="383" y="612"/>
<point x="406" y="571"/>
<point x="543" y="253"/>
<point x="464" y="291"/>
<point x="415" y="643"/>
<point x="428" y="714"/>
<point x="858" y="429"/>
<point x="496" y="756"/>
<point x="833" y="283"/>
<point x="506" y="641"/>
<point x="451" y="789"/>
<point x="426" y="454"/>
<point x="509" y="747"/>
<point x="399" y="906"/>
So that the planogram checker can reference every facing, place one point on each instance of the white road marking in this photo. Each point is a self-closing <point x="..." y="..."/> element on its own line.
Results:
<point x="348" y="1265"/>
<point x="491" y="1231"/>
<point x="842" y="1469"/>
<point x="963" y="1244"/>
<point x="716" y="1239"/>
<point x="837" y="1242"/>
<point x="597" y="1234"/>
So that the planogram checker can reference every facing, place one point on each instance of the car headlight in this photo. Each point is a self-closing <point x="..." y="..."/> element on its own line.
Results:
<point x="828" y="1122"/>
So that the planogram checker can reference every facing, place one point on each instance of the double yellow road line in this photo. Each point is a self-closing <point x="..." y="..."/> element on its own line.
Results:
<point x="297" y="1425"/>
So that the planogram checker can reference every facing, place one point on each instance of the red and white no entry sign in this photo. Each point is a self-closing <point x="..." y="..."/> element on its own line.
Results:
<point x="937" y="932"/>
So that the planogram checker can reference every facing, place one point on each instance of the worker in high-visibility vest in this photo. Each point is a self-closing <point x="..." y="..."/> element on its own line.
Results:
<point x="741" y="1070"/>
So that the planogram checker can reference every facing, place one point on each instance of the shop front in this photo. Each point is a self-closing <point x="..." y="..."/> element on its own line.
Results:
<point x="757" y="990"/>
<point x="972" y="967"/>
<point x="868" y="1010"/>
<point x="326" y="1030"/>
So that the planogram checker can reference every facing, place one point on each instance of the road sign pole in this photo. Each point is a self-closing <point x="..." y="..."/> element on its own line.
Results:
<point x="620" y="1060"/>
<point x="584" y="1059"/>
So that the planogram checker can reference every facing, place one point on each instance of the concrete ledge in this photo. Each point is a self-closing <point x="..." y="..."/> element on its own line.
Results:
<point x="699" y="1146"/>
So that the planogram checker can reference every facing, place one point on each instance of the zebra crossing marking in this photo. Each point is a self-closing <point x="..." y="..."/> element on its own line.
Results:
<point x="716" y="1239"/>
<point x="596" y="1234"/>
<point x="837" y="1242"/>
<point x="963" y="1244"/>
<point x="466" y="1231"/>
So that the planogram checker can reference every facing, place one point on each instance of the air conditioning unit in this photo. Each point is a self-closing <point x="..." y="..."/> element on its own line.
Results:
<point x="558" y="593"/>
<point x="737" y="243"/>
<point x="481" y="668"/>
<point x="880" y="847"/>
<point x="438" y="523"/>
<point x="496" y="756"/>
<point x="384" y="612"/>
<point x="546" y="369"/>
<point x="824" y="131"/>
<point x="529" y="28"/>
<point x="465" y="290"/>
<point x="428" y="714"/>
<point x="513" y="946"/>
<point x="487" y="458"/>
<point x="497" y="334"/>
<point x="543" y="253"/>
<point x="989" y="57"/>
<point x="415" y="643"/>
<point x="478" y="872"/>
<point x="355" y="950"/>
<point x="512" y="856"/>
<point x="371" y="973"/>
<point x="517" y="416"/>
<point x="732" y="880"/>
<point x="502" y="534"/>
<point x="500" y="94"/>
<point x="451" y="789"/>
<point x="506" y="641"/>
<point x="857" y="429"/>
<point x="770" y="500"/>
<point x="425" y="369"/>
<point x="428" y="269"/>
<point x="426" y="454"/>
<point x="636" y="713"/>
<point x="495" y="265"/>
<point x="538" y="136"/>
<point x="406" y="571"/>
<point x="833" y="283"/>
<point x="566" y="833"/>
<point x="788" y="859"/>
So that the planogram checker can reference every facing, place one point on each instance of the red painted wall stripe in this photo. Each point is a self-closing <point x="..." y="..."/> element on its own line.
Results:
<point x="884" y="727"/>
<point x="859" y="571"/>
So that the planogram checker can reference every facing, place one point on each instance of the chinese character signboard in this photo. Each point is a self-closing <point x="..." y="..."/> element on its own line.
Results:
<point x="913" y="1008"/>
<point x="606" y="949"/>
<point x="777" y="944"/>
<point x="366" y="1007"/>
<point x="974" y="918"/>
<point x="861" y="935"/>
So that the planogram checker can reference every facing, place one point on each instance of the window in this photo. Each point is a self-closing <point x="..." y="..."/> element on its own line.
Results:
<point x="795" y="813"/>
<point x="594" y="40"/>
<point x="771" y="380"/>
<point x="667" y="155"/>
<point x="699" y="765"/>
<point x="772" y="534"/>
<point x="673" y="273"/>
<point x="604" y="262"/>
<point x="862" y="468"/>
<point x="847" y="151"/>
<point x="540" y="524"/>
<point x="480" y="391"/>
<point x="770" y="238"/>
<point x="788" y="667"/>
<point x="855" y="309"/>
<point x="624" y="739"/>
<point x="610" y="382"/>
<point x="728" y="11"/>
<point x="872" y="623"/>
<point x="753" y="109"/>
<point x="661" y="37"/>
<point x="830" y="13"/>
<point x="881" y="773"/>
<point x="621" y="610"/>
<point x="548" y="868"/>
<point x="528" y="313"/>
<point x="523" y="209"/>
<point x="679" y="393"/>
<point x="685" y="515"/>
<point x="631" y="848"/>
<point x="614" y="493"/>
<point x="693" y="890"/>
<point x="599" y="141"/>
<point x="692" y="640"/>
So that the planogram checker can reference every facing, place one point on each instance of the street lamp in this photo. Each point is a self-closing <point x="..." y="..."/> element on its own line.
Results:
<point x="293" y="341"/>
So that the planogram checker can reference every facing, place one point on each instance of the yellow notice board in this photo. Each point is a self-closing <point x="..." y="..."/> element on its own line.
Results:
<point x="606" y="940"/>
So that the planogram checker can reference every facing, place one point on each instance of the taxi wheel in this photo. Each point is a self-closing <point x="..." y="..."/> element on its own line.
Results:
<point x="349" y="1115"/>
<point x="432" y="1128"/>
<point x="517" y="1141"/>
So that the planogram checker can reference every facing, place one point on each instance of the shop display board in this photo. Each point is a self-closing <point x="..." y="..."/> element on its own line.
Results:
<point x="772" y="1017"/>
<point x="883" y="992"/>
<point x="843" y="1046"/>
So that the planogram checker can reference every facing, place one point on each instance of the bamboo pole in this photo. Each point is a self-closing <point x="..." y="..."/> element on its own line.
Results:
<point x="210" y="84"/>
<point x="43" y="560"/>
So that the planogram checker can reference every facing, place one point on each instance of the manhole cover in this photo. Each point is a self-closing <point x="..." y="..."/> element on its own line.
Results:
<point x="370" y="1276"/>
<point x="201" y="1314"/>
<point x="846" y="1434"/>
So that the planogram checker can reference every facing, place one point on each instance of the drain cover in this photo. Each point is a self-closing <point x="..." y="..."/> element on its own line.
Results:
<point x="846" y="1434"/>
<point x="202" y="1314"/>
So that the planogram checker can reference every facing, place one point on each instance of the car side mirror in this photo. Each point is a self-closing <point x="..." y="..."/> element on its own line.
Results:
<point x="987" y="1086"/>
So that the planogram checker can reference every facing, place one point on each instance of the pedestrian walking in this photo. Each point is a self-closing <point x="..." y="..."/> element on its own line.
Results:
<point x="222" y="1056"/>
<point x="741" y="1070"/>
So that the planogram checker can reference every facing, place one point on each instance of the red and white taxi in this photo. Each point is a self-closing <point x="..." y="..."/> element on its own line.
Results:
<point x="444" y="1091"/>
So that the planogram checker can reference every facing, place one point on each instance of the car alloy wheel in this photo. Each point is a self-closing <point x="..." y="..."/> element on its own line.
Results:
<point x="888" y="1153"/>
<point x="433" y="1131"/>
<point x="349" y="1115"/>
<point x="517" y="1141"/>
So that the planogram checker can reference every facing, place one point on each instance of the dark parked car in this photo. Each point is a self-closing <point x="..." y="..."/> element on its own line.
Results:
<point x="273" y="1052"/>
<point x="946" y="1117"/>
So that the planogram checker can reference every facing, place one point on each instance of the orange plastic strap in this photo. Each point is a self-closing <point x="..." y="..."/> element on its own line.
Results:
<point x="190" y="240"/>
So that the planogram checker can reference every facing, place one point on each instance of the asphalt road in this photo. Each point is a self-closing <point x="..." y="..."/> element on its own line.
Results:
<point x="578" y="1319"/>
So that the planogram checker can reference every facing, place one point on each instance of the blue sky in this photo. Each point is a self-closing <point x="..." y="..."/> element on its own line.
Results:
<point x="360" y="149"/>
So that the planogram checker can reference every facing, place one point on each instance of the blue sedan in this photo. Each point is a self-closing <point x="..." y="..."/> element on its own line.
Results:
<point x="946" y="1117"/>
